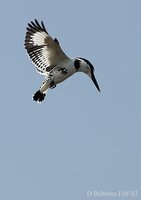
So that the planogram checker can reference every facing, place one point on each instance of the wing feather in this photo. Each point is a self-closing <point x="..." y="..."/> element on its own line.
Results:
<point x="44" y="52"/>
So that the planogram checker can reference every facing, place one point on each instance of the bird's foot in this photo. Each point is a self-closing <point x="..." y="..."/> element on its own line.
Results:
<point x="63" y="70"/>
<point x="52" y="85"/>
<point x="39" y="96"/>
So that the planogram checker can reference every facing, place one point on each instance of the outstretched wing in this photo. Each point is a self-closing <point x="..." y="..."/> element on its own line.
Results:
<point x="44" y="52"/>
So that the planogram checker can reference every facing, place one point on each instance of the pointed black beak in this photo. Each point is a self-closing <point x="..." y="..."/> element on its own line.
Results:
<point x="95" y="81"/>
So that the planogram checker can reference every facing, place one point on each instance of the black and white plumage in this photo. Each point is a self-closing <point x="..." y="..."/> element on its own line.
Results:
<point x="50" y="60"/>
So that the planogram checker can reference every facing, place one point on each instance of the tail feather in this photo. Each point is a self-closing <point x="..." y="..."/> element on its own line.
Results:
<point x="39" y="96"/>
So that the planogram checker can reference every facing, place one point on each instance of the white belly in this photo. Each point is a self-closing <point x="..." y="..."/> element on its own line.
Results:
<point x="58" y="76"/>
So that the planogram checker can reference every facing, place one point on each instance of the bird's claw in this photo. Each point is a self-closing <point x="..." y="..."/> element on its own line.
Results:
<point x="63" y="70"/>
<point x="52" y="85"/>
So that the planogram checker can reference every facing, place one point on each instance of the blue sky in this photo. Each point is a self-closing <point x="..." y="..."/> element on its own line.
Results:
<point x="78" y="139"/>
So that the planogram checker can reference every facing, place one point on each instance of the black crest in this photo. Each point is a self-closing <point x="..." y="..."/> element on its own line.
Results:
<point x="88" y="62"/>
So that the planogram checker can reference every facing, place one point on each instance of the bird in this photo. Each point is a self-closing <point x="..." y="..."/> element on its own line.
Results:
<point x="51" y="61"/>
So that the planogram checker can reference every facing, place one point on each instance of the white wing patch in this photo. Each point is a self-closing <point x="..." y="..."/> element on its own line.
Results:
<point x="39" y="38"/>
<point x="44" y="52"/>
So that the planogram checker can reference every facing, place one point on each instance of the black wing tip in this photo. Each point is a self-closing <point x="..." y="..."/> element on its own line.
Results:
<point x="34" y="24"/>
<point x="36" y="21"/>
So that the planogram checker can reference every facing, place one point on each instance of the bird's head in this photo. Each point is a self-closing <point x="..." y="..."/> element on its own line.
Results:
<point x="86" y="67"/>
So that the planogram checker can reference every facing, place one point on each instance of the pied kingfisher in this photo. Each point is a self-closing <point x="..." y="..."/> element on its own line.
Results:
<point x="50" y="60"/>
